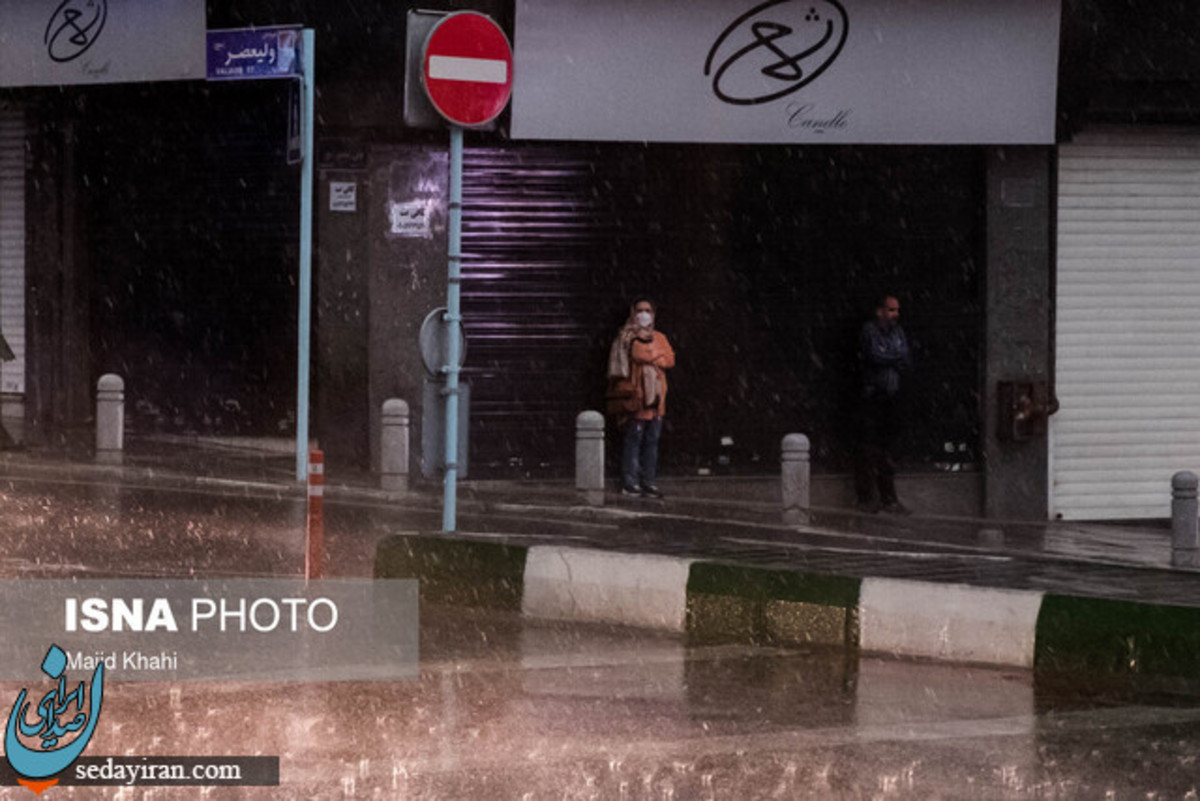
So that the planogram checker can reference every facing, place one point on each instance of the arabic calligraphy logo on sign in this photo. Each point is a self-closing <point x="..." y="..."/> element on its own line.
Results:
<point x="60" y="712"/>
<point x="776" y="48"/>
<point x="74" y="27"/>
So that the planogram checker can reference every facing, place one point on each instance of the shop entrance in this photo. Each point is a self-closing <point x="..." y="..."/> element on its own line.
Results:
<point x="192" y="228"/>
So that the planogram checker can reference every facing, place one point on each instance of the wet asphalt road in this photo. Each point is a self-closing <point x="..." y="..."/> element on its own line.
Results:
<point x="506" y="708"/>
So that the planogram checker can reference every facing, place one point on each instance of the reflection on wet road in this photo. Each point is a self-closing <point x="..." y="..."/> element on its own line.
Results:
<point x="508" y="708"/>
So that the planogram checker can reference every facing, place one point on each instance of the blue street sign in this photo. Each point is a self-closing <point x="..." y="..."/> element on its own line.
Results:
<point x="253" y="53"/>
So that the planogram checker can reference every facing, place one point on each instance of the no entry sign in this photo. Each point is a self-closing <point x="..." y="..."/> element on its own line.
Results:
<point x="467" y="68"/>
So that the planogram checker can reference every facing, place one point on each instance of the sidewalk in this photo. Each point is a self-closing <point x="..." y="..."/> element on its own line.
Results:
<point x="713" y="561"/>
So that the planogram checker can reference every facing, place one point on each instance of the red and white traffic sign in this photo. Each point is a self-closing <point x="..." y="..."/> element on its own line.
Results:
<point x="467" y="68"/>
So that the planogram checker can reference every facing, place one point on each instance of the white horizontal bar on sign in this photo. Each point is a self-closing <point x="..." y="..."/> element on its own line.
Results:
<point x="477" y="70"/>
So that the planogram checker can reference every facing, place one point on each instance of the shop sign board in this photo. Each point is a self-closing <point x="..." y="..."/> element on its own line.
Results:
<point x="100" y="41"/>
<point x="787" y="71"/>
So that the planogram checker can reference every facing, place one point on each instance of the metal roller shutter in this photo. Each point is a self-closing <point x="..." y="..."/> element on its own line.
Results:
<point x="1128" y="369"/>
<point x="12" y="247"/>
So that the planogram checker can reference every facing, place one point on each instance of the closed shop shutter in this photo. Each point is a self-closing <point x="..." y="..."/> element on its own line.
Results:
<point x="766" y="263"/>
<point x="1128" y="368"/>
<point x="12" y="247"/>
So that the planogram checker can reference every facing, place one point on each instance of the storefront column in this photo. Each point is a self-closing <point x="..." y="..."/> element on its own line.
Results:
<point x="1019" y="306"/>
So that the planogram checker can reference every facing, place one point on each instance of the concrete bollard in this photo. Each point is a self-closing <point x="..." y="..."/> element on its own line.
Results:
<point x="589" y="457"/>
<point x="1185" y="527"/>
<point x="110" y="419"/>
<point x="394" y="446"/>
<point x="796" y="474"/>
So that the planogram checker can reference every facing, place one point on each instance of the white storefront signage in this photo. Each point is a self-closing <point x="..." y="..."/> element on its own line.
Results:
<point x="787" y="71"/>
<point x="100" y="41"/>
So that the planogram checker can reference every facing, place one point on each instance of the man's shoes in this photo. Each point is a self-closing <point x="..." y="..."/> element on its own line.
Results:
<point x="896" y="508"/>
<point x="651" y="491"/>
<point x="632" y="492"/>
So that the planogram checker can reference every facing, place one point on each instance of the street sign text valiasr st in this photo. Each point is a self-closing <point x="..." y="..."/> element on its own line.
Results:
<point x="466" y="68"/>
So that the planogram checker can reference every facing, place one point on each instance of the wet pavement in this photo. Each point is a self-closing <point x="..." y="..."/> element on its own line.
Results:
<point x="506" y="708"/>
<point x="510" y="708"/>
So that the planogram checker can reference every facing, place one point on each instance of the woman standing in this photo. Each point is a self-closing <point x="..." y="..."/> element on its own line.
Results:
<point x="638" y="362"/>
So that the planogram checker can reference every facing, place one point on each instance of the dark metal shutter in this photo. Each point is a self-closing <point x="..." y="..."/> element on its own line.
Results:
<point x="765" y="262"/>
<point x="193" y="218"/>
<point x="534" y="255"/>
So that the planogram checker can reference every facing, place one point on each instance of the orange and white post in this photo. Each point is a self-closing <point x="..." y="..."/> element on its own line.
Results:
<point x="314" y="550"/>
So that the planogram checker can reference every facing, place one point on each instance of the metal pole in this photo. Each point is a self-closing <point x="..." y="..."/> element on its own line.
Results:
<point x="453" y="318"/>
<point x="314" y="541"/>
<point x="307" y="80"/>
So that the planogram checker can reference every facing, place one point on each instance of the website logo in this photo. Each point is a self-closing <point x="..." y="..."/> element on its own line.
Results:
<point x="59" y="713"/>
<point x="776" y="48"/>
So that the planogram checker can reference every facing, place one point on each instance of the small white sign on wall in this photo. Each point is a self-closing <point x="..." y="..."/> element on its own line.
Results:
<point x="411" y="219"/>
<point x="343" y="196"/>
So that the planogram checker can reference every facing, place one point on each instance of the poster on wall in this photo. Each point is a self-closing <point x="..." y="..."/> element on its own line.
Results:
<point x="101" y="41"/>
<point x="411" y="219"/>
<point x="787" y="71"/>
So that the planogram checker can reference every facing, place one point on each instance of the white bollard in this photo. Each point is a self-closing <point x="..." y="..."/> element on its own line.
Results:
<point x="796" y="478"/>
<point x="110" y="419"/>
<point x="589" y="457"/>
<point x="1185" y="530"/>
<point x="394" y="446"/>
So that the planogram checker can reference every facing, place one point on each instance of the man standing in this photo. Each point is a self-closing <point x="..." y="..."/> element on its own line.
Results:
<point x="884" y="356"/>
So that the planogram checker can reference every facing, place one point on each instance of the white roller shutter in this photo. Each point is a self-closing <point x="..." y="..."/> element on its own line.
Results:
<point x="1128" y="322"/>
<point x="12" y="247"/>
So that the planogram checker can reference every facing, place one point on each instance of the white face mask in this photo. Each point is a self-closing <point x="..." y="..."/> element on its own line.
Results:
<point x="643" y="318"/>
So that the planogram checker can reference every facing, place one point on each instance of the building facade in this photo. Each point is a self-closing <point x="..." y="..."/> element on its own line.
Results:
<point x="153" y="225"/>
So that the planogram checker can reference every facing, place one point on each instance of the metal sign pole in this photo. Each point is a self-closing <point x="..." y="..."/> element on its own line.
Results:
<point x="307" y="79"/>
<point x="453" y="318"/>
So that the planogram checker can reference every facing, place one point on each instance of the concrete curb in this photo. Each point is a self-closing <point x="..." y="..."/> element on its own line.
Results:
<point x="643" y="590"/>
<point x="949" y="622"/>
<point x="1099" y="641"/>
